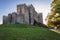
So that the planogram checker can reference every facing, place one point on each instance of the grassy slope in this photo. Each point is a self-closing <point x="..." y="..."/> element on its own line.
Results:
<point x="26" y="32"/>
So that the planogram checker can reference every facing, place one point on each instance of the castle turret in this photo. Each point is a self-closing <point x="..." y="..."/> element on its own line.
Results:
<point x="21" y="8"/>
<point x="32" y="14"/>
<point x="14" y="18"/>
<point x="9" y="18"/>
<point x="40" y="18"/>
<point x="5" y="19"/>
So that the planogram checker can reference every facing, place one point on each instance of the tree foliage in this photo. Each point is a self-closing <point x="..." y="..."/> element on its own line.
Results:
<point x="53" y="19"/>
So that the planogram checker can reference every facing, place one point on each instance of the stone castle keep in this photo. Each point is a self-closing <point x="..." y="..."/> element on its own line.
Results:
<point x="25" y="15"/>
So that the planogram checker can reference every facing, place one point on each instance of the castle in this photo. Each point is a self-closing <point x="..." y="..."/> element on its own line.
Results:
<point x="24" y="15"/>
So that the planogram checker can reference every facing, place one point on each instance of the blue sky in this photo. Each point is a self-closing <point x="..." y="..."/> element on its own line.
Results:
<point x="9" y="6"/>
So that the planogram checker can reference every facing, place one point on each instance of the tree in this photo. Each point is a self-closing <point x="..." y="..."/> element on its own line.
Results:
<point x="53" y="19"/>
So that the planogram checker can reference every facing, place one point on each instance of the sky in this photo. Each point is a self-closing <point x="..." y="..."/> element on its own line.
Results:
<point x="9" y="6"/>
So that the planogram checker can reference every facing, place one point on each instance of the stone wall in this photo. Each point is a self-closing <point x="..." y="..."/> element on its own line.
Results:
<point x="9" y="18"/>
<point x="14" y="18"/>
<point x="5" y="19"/>
<point x="32" y="13"/>
<point x="40" y="17"/>
<point x="20" y="19"/>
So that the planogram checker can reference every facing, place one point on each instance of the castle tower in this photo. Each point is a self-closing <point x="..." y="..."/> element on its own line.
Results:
<point x="40" y="18"/>
<point x="14" y="18"/>
<point x="32" y="14"/>
<point x="9" y="18"/>
<point x="5" y="19"/>
<point x="21" y="8"/>
<point x="29" y="13"/>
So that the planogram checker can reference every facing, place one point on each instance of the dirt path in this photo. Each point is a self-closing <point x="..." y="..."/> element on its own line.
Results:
<point x="57" y="30"/>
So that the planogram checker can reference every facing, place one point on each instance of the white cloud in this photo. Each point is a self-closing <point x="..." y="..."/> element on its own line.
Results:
<point x="0" y="21"/>
<point x="45" y="9"/>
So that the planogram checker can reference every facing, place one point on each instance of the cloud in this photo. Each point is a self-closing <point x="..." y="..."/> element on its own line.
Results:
<point x="45" y="9"/>
<point x="0" y="21"/>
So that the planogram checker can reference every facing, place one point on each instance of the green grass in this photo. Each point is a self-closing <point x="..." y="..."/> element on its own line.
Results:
<point x="26" y="32"/>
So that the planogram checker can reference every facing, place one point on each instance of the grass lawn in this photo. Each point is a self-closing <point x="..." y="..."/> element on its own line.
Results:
<point x="26" y="32"/>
